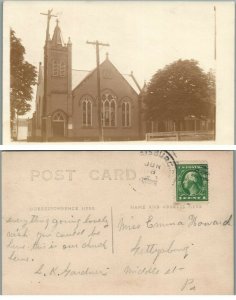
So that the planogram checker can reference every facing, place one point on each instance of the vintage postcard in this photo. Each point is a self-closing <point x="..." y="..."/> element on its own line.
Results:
<point x="90" y="71"/>
<point x="110" y="222"/>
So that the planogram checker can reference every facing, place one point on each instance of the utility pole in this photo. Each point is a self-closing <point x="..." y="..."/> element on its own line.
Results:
<point x="215" y="32"/>
<point x="44" y="113"/>
<point x="97" y="44"/>
<point x="215" y="70"/>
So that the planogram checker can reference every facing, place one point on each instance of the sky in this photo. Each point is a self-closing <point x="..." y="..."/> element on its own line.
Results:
<point x="144" y="36"/>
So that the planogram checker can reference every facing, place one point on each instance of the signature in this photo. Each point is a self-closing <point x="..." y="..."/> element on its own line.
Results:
<point x="69" y="270"/>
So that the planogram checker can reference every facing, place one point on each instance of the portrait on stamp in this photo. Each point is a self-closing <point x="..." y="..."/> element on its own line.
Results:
<point x="192" y="182"/>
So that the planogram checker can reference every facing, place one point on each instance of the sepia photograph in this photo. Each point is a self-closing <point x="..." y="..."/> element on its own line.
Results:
<point x="118" y="71"/>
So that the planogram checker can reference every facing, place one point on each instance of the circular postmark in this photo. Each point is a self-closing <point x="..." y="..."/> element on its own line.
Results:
<point x="157" y="164"/>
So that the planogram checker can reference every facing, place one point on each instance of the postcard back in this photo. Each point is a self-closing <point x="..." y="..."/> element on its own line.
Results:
<point x="149" y="222"/>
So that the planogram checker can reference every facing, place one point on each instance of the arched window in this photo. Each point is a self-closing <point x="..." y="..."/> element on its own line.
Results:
<point x="87" y="111"/>
<point x="58" y="117"/>
<point x="126" y="114"/>
<point x="108" y="110"/>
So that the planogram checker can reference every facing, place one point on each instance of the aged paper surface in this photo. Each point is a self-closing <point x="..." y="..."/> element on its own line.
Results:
<point x="149" y="222"/>
<point x="156" y="34"/>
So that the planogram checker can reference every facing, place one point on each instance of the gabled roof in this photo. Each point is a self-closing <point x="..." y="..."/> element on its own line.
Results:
<point x="84" y="75"/>
<point x="78" y="76"/>
<point x="132" y="83"/>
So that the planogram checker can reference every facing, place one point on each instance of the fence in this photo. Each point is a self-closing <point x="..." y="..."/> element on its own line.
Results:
<point x="180" y="136"/>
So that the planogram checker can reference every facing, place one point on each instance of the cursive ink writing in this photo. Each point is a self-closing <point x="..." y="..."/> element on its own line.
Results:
<point x="155" y="250"/>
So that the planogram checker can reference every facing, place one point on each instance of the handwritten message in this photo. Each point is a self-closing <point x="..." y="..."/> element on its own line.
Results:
<point x="39" y="238"/>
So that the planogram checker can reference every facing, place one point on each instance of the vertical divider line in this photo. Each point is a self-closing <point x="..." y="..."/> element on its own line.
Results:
<point x="112" y="232"/>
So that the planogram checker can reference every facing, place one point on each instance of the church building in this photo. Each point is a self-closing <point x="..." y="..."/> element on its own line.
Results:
<point x="67" y="102"/>
<point x="98" y="105"/>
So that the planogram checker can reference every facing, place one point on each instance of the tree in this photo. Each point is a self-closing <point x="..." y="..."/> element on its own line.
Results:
<point x="179" y="90"/>
<point x="23" y="77"/>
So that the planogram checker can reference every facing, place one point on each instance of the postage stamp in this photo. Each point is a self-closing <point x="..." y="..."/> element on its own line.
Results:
<point x="191" y="182"/>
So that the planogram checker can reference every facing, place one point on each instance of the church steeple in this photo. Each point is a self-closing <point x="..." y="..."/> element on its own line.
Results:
<point x="57" y="36"/>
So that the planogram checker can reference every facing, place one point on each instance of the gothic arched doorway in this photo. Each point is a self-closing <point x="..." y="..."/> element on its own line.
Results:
<point x="58" y="125"/>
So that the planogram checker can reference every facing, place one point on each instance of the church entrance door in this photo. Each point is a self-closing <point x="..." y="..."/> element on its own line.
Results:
<point x="58" y="129"/>
<point x="58" y="125"/>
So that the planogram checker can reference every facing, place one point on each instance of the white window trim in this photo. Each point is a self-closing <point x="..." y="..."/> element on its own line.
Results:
<point x="126" y="123"/>
<point x="87" y="100"/>
<point x="56" y="117"/>
<point x="109" y="109"/>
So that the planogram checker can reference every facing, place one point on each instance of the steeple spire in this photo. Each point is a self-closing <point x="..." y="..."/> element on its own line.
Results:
<point x="49" y="15"/>
<point x="57" y="36"/>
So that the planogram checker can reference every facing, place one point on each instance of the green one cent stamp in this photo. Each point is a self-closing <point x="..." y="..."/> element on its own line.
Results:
<point x="191" y="182"/>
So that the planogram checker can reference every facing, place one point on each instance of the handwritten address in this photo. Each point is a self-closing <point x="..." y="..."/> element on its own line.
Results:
<point x="98" y="235"/>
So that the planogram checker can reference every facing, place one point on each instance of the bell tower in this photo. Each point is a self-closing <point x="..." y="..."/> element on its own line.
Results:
<point x="58" y="92"/>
